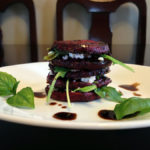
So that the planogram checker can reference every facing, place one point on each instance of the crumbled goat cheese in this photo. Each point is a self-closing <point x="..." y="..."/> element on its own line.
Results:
<point x="50" y="52"/>
<point x="76" y="56"/>
<point x="65" y="57"/>
<point x="101" y="58"/>
<point x="89" y="80"/>
<point x="50" y="73"/>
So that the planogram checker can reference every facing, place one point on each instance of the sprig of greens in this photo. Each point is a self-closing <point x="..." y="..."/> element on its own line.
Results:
<point x="51" y="88"/>
<point x="53" y="53"/>
<point x="67" y="93"/>
<point x="61" y="72"/>
<point x="8" y="87"/>
<point x="61" y="69"/>
<point x="106" y="92"/>
<point x="86" y="88"/>
<point x="115" y="61"/>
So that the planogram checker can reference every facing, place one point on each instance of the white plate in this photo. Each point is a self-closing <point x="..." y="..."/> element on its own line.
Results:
<point x="34" y="75"/>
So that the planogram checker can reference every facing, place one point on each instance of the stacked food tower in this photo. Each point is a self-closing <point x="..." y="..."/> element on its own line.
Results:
<point x="77" y="67"/>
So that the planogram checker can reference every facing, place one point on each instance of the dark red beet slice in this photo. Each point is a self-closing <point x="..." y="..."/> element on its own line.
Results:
<point x="81" y="64"/>
<point x="61" y="83"/>
<point x="82" y="46"/>
<point x="84" y="73"/>
<point x="74" y="96"/>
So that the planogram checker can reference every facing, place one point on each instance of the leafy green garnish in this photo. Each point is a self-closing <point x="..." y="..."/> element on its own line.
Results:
<point x="115" y="61"/>
<point x="61" y="69"/>
<point x="131" y="106"/>
<point x="67" y="93"/>
<point x="52" y="86"/>
<point x="51" y="55"/>
<point x="86" y="88"/>
<point x="8" y="87"/>
<point x="15" y="87"/>
<point x="62" y="74"/>
<point x="8" y="84"/>
<point x="24" y="98"/>
<point x="109" y="93"/>
<point x="127" y="106"/>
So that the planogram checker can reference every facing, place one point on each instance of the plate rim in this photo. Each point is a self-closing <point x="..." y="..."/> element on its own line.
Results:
<point x="114" y="125"/>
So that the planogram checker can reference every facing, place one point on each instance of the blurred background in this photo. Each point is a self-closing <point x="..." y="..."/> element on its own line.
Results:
<point x="14" y="23"/>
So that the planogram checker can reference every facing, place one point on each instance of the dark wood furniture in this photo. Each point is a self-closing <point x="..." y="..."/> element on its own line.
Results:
<point x="100" y="28"/>
<point x="4" y="4"/>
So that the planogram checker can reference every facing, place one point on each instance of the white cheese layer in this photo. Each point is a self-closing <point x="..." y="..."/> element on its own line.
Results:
<point x="65" y="57"/>
<point x="101" y="58"/>
<point x="89" y="79"/>
<point x="76" y="56"/>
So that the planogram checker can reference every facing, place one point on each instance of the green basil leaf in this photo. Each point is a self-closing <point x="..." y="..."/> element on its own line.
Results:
<point x="8" y="84"/>
<point x="24" y="99"/>
<point x="131" y="106"/>
<point x="86" y="88"/>
<point x="15" y="87"/>
<point x="110" y="93"/>
<point x="115" y="61"/>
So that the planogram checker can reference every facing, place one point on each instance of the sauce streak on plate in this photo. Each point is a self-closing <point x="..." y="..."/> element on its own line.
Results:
<point x="65" y="116"/>
<point x="107" y="114"/>
<point x="132" y="87"/>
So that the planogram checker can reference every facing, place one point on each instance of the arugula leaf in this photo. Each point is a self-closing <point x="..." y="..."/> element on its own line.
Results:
<point x="131" y="106"/>
<point x="61" y="69"/>
<point x="8" y="84"/>
<point x="115" y="61"/>
<point x="52" y="86"/>
<point x="51" y="55"/>
<point x="59" y="74"/>
<point x="109" y="93"/>
<point x="67" y="93"/>
<point x="86" y="88"/>
<point x="60" y="52"/>
<point x="24" y="98"/>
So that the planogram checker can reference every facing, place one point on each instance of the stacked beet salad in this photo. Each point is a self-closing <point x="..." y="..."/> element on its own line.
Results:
<point x="82" y="65"/>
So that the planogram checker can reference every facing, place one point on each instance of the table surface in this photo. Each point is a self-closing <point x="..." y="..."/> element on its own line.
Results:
<point x="16" y="136"/>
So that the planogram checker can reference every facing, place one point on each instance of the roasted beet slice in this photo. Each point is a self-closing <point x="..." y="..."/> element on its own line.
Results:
<point x="61" y="83"/>
<point x="82" y="46"/>
<point x="83" y="73"/>
<point x="74" y="96"/>
<point x="81" y="64"/>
